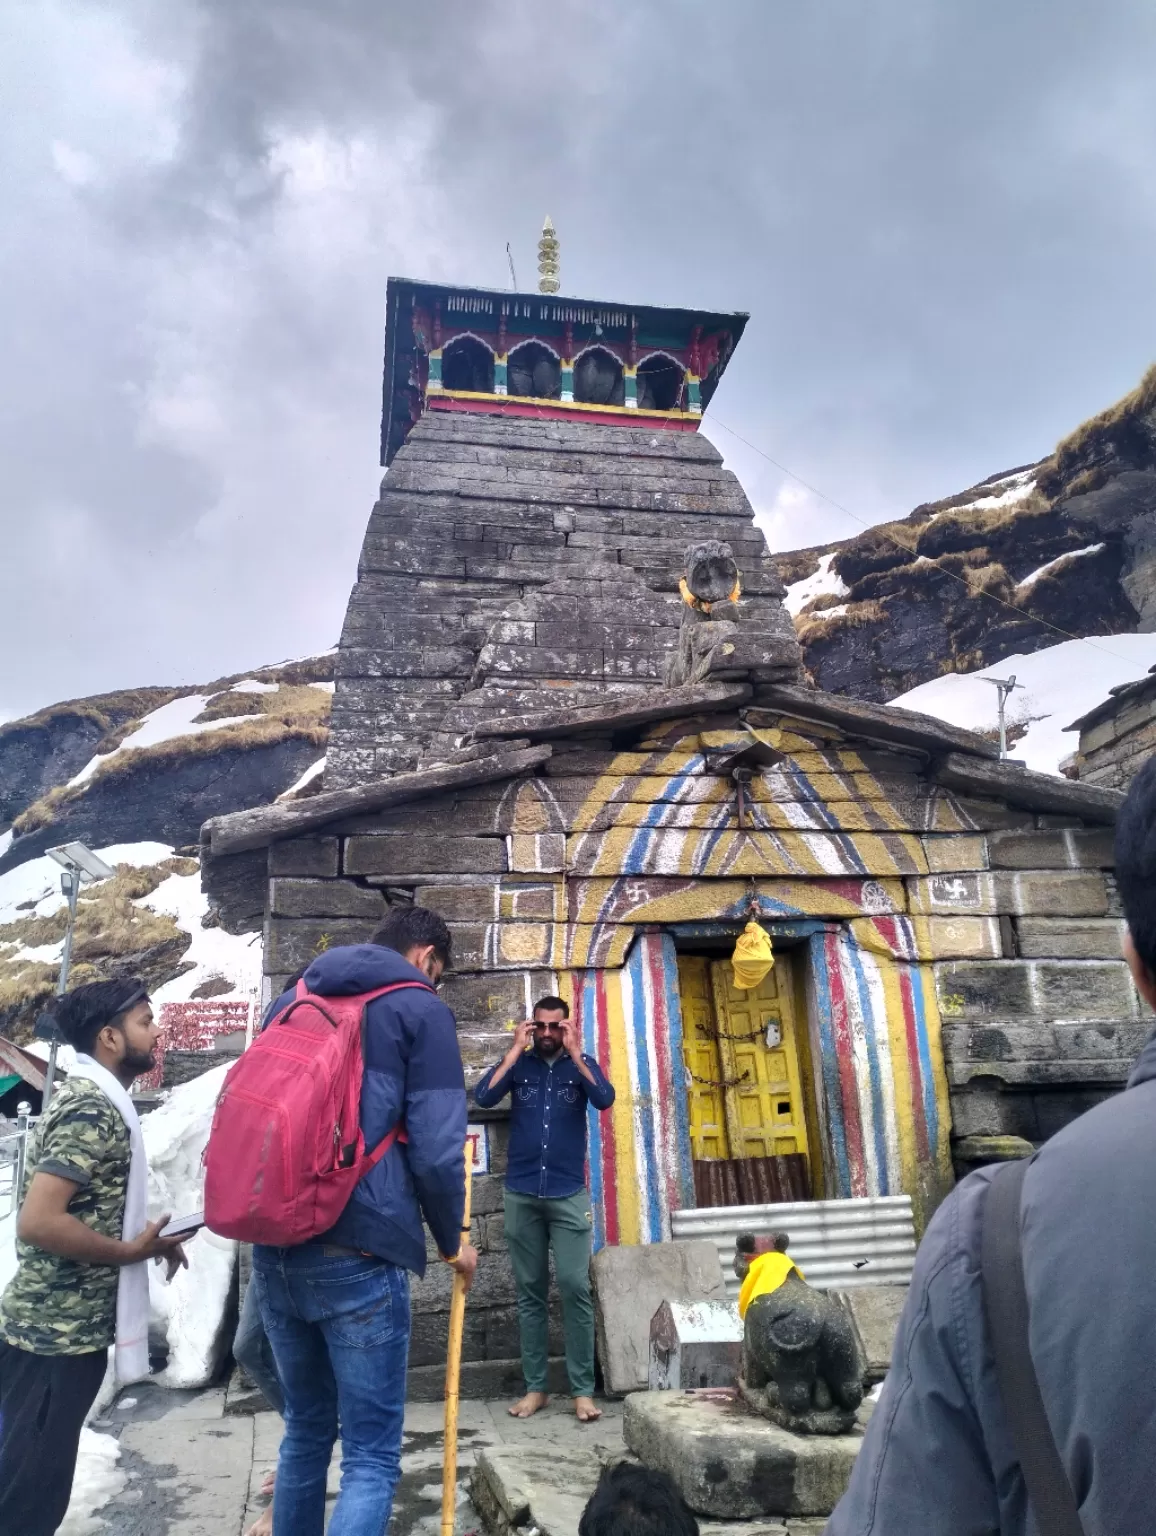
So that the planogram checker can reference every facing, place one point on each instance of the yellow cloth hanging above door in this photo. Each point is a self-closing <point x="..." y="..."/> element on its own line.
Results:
<point x="752" y="958"/>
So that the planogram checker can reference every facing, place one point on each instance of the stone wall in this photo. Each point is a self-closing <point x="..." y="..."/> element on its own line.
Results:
<point x="476" y="515"/>
<point x="1117" y="738"/>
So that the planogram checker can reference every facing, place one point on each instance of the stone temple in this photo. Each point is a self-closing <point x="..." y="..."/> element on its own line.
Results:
<point x="552" y="728"/>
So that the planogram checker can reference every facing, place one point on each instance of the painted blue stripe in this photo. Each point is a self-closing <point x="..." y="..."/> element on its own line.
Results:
<point x="709" y="842"/>
<point x="877" y="1108"/>
<point x="638" y="848"/>
<point x="587" y="1001"/>
<point x="810" y="794"/>
<point x="829" y="1064"/>
<point x="930" y="1103"/>
<point x="679" y="1098"/>
<point x="645" y="1129"/>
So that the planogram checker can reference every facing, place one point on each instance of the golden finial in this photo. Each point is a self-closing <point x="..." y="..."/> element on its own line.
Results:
<point x="548" y="258"/>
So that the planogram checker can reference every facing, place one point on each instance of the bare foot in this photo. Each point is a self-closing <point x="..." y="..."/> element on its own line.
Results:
<point x="267" y="1484"/>
<point x="263" y="1526"/>
<point x="586" y="1411"/>
<point x="528" y="1406"/>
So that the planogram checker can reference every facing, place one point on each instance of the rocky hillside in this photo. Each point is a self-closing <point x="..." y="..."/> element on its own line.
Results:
<point x="134" y="775"/>
<point x="1068" y="544"/>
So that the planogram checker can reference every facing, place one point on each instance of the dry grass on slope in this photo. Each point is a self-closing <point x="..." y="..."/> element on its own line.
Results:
<point x="109" y="711"/>
<point x="291" y="704"/>
<point x="811" y="626"/>
<point x="1120" y="430"/>
<point x="246" y="735"/>
<point x="109" y="924"/>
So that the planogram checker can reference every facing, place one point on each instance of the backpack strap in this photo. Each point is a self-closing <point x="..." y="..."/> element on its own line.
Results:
<point x="1006" y="1305"/>
<point x="398" y="1132"/>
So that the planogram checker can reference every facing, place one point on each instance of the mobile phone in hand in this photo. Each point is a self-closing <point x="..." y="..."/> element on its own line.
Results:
<point x="184" y="1226"/>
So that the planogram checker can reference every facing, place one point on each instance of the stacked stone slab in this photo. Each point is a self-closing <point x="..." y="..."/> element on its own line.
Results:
<point x="499" y="558"/>
<point x="1117" y="737"/>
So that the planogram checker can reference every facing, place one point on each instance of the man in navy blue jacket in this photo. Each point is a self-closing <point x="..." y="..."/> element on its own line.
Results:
<point x="546" y="1203"/>
<point x="336" y="1309"/>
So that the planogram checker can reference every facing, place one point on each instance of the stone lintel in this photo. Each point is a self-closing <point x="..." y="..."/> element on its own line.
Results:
<point x="258" y="828"/>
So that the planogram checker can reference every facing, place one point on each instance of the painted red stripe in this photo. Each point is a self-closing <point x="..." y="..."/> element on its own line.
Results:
<point x="914" y="1065"/>
<point x="663" y="1088"/>
<point x="844" y="1054"/>
<point x="609" y="1144"/>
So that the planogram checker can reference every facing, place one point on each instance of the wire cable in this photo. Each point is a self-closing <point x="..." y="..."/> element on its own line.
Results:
<point x="898" y="543"/>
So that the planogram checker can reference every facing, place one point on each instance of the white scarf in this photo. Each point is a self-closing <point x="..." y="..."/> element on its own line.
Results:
<point x="132" y="1294"/>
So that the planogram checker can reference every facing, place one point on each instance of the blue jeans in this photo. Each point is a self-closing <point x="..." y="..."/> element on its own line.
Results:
<point x="253" y="1352"/>
<point x="339" y="1326"/>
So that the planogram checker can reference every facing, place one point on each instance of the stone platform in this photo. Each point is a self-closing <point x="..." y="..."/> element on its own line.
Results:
<point x="521" y="1489"/>
<point x="733" y="1465"/>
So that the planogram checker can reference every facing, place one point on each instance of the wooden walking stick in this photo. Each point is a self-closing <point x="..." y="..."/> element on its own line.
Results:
<point x="453" y="1373"/>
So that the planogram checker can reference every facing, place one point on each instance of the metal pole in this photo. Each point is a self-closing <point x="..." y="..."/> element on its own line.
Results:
<point x="23" y="1115"/>
<point x="72" y="876"/>
<point x="1002" y="690"/>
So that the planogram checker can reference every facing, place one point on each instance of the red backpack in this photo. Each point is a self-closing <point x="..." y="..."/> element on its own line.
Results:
<point x="286" y="1151"/>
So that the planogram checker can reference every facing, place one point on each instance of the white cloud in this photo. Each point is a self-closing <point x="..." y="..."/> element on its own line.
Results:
<point x="73" y="165"/>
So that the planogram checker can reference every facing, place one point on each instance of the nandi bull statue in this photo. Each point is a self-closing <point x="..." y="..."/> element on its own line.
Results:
<point x="803" y="1367"/>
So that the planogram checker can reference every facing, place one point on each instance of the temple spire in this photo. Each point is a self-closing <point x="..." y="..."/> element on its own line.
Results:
<point x="548" y="258"/>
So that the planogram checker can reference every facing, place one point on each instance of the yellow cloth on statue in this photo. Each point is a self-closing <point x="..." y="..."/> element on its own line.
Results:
<point x="765" y="1275"/>
<point x="753" y="957"/>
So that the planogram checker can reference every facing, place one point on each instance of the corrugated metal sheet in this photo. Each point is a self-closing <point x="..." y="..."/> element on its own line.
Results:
<point x="836" y="1243"/>
<point x="751" y="1181"/>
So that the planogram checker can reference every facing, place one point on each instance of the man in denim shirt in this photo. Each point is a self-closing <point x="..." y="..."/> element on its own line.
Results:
<point x="546" y="1204"/>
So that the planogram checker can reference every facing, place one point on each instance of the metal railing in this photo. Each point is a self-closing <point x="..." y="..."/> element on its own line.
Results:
<point x="15" y="1136"/>
<point x="836" y="1243"/>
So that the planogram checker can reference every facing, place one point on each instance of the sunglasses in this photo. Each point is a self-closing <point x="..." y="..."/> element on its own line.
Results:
<point x="552" y="1025"/>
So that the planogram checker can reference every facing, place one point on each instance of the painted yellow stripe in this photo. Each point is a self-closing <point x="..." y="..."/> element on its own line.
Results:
<point x="626" y="1176"/>
<point x="938" y="1069"/>
<point x="579" y="406"/>
<point x="901" y="1074"/>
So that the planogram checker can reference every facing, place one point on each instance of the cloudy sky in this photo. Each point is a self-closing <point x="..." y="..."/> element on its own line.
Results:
<point x="941" y="218"/>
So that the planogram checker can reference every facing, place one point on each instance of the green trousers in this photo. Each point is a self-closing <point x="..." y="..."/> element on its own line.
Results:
<point x="533" y="1228"/>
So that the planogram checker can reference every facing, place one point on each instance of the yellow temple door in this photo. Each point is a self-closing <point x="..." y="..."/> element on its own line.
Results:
<point x="744" y="1083"/>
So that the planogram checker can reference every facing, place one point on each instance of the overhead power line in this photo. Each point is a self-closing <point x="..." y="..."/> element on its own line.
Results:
<point x="971" y="590"/>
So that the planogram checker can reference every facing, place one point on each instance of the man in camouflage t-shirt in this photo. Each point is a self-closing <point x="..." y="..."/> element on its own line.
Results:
<point x="58" y="1314"/>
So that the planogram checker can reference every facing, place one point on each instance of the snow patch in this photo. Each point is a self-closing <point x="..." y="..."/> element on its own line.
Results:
<point x="818" y="584"/>
<point x="1042" y="570"/>
<point x="1019" y="488"/>
<point x="312" y="772"/>
<point x="190" y="1312"/>
<point x="325" y="687"/>
<point x="98" y="1479"/>
<point x="164" y="724"/>
<point x="252" y="685"/>
<point x="1059" y="683"/>
<point x="39" y="879"/>
<point x="212" y="951"/>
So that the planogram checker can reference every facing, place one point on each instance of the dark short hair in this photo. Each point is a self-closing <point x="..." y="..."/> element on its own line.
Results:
<point x="553" y="1005"/>
<point x="407" y="928"/>
<point x="1136" y="862"/>
<point x="636" y="1501"/>
<point x="82" y="1013"/>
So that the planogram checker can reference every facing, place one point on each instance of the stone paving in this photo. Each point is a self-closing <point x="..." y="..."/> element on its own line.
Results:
<point x="193" y="1470"/>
